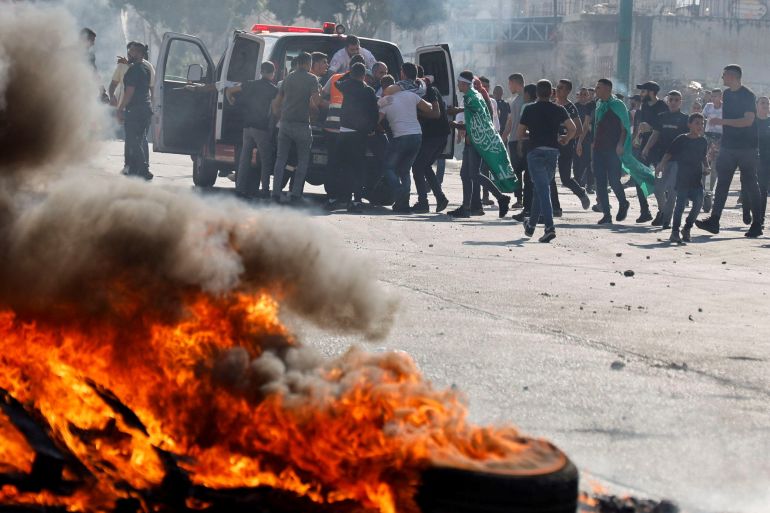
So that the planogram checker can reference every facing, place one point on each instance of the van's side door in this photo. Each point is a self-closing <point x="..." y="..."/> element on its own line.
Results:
<point x="182" y="118"/>
<point x="437" y="62"/>
<point x="242" y="62"/>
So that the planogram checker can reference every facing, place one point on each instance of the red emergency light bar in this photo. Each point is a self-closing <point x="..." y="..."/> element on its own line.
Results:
<point x="286" y="28"/>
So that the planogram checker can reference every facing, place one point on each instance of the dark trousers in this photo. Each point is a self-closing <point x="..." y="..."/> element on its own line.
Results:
<point x="566" y="158"/>
<point x="334" y="174"/>
<point x="607" y="169"/>
<point x="473" y="179"/>
<point x="136" y="147"/>
<point x="763" y="177"/>
<point x="519" y="164"/>
<point x="583" y="171"/>
<point x="696" y="196"/>
<point x="728" y="161"/>
<point x="422" y="169"/>
<point x="644" y="205"/>
<point x="351" y="158"/>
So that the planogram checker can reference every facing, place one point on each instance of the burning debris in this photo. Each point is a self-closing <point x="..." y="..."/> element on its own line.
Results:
<point x="144" y="364"/>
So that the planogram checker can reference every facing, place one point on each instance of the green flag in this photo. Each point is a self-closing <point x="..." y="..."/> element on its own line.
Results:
<point x="489" y="144"/>
<point x="643" y="175"/>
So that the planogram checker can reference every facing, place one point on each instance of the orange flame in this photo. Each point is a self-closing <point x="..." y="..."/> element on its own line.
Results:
<point x="359" y="428"/>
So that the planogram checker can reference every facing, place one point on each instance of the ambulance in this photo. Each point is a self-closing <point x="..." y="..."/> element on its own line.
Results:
<point x="208" y="129"/>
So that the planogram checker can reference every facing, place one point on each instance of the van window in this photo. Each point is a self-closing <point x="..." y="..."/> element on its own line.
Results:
<point x="435" y="65"/>
<point x="244" y="60"/>
<point x="181" y="55"/>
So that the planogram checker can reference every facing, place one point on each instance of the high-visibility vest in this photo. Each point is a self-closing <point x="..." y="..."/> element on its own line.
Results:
<point x="335" y="105"/>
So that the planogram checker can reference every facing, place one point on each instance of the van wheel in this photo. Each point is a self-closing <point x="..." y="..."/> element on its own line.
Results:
<point x="204" y="172"/>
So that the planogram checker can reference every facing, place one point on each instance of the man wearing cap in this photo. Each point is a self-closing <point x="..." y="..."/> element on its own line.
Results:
<point x="738" y="149"/>
<point x="651" y="108"/>
<point x="666" y="127"/>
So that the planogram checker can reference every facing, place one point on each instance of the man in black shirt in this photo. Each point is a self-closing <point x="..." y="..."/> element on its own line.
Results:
<point x="648" y="115"/>
<point x="544" y="121"/>
<point x="256" y="98"/>
<point x="135" y="111"/>
<point x="609" y="144"/>
<point x="738" y="149"/>
<point x="689" y="152"/>
<point x="666" y="127"/>
<point x="359" y="117"/>
<point x="435" y="133"/>
<point x="567" y="151"/>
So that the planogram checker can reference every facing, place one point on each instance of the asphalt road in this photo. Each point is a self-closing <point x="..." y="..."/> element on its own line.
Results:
<point x="658" y="384"/>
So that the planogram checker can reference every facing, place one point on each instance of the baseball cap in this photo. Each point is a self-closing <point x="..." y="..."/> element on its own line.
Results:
<point x="649" y="86"/>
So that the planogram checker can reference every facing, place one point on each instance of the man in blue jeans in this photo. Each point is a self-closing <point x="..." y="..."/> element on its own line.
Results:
<point x="609" y="145"/>
<point x="400" y="109"/>
<point x="544" y="120"/>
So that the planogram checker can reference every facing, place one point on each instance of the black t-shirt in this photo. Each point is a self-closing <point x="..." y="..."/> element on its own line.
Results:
<point x="574" y="115"/>
<point x="544" y="119"/>
<point x="650" y="115"/>
<point x="608" y="132"/>
<point x="256" y="97"/>
<point x="735" y="104"/>
<point x="586" y="110"/>
<point x="138" y="76"/>
<point x="435" y="127"/>
<point x="688" y="153"/>
<point x="503" y="111"/>
<point x="669" y="125"/>
<point x="763" y="138"/>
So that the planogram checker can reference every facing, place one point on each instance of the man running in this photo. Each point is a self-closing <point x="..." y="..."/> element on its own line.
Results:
<point x="738" y="149"/>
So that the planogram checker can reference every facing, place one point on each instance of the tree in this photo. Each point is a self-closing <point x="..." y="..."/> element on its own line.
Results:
<point x="363" y="17"/>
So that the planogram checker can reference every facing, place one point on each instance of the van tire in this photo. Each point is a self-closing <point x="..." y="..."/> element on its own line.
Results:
<point x="204" y="172"/>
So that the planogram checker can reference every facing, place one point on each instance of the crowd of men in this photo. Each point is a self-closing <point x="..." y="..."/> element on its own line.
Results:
<point x="405" y="123"/>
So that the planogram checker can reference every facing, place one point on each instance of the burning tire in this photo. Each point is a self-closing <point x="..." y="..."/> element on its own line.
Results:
<point x="204" y="172"/>
<point x="548" y="484"/>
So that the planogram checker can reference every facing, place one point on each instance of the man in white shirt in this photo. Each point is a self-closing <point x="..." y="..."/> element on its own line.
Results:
<point x="712" y="110"/>
<point x="340" y="62"/>
<point x="400" y="109"/>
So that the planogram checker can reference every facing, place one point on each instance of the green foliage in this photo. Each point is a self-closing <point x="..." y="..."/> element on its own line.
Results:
<point x="191" y="15"/>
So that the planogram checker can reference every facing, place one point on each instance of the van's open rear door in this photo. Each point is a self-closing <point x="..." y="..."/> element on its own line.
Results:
<point x="242" y="61"/>
<point x="182" y="118"/>
<point x="437" y="62"/>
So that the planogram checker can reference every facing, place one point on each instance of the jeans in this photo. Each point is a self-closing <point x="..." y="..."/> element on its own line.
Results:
<point x="351" y="151"/>
<point x="727" y="162"/>
<point x="246" y="179"/>
<point x="696" y="196"/>
<point x="607" y="169"/>
<point x="301" y="135"/>
<point x="398" y="162"/>
<point x="542" y="166"/>
<point x="136" y="147"/>
<point x="665" y="192"/>
<point x="422" y="169"/>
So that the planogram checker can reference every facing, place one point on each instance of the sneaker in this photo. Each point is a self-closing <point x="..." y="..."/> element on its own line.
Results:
<point x="459" y="213"/>
<point x="421" y="207"/>
<point x="675" y="236"/>
<point x="529" y="231"/>
<point x="707" y="203"/>
<point x="487" y="202"/>
<point x="520" y="217"/>
<point x="622" y="211"/>
<point x="709" y="224"/>
<point x="441" y="203"/>
<point x="585" y="201"/>
<point x="557" y="212"/>
<point x="503" y="206"/>
<point x="754" y="232"/>
<point x="646" y="216"/>
<point x="355" y="207"/>
<point x="746" y="216"/>
<point x="517" y="205"/>
<point x="658" y="221"/>
<point x="597" y="208"/>
<point x="686" y="234"/>
<point x="477" y="212"/>
<point x="607" y="219"/>
<point x="548" y="236"/>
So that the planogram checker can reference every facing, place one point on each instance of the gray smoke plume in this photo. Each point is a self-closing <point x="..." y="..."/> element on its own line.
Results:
<point x="77" y="245"/>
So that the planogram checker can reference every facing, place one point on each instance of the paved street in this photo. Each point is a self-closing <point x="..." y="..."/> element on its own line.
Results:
<point x="657" y="383"/>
